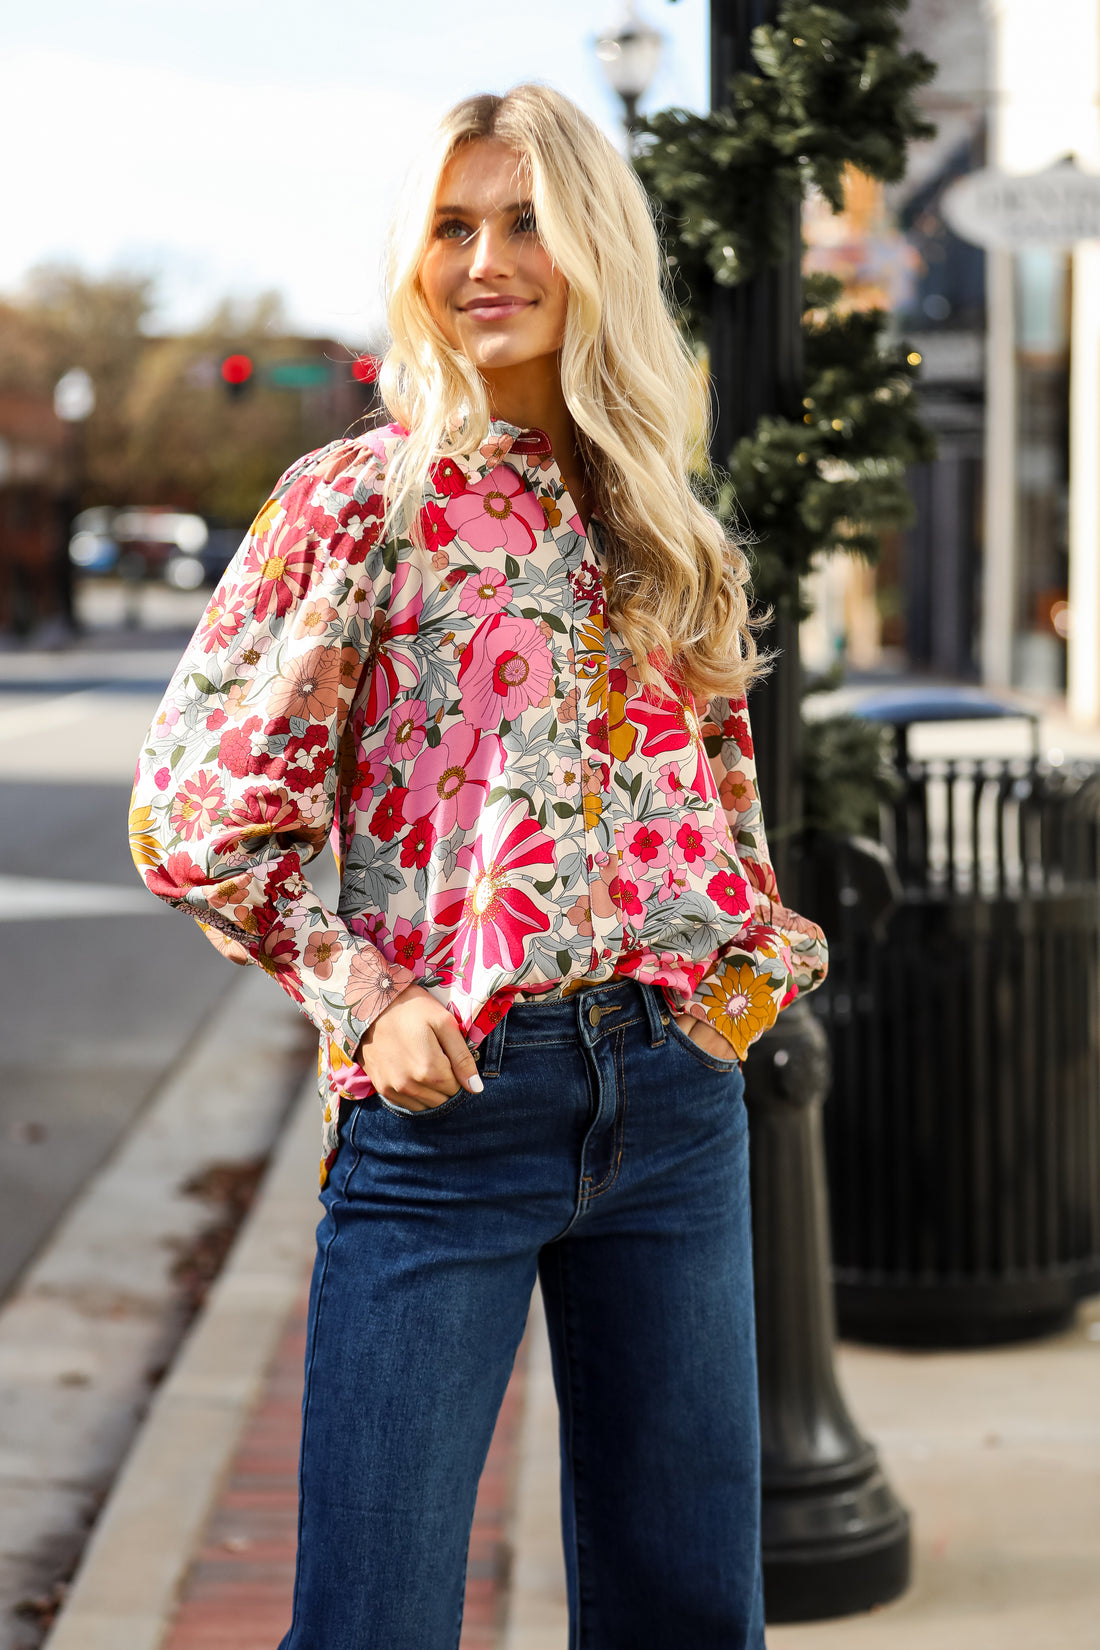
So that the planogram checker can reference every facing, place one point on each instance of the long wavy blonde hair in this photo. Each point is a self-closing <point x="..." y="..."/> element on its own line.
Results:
<point x="676" y="585"/>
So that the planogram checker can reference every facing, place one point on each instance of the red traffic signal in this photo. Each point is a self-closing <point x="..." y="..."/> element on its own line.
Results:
<point x="236" y="372"/>
<point x="364" y="369"/>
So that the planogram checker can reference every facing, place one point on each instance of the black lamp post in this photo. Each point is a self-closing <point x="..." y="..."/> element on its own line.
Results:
<point x="835" y="1538"/>
<point x="629" y="55"/>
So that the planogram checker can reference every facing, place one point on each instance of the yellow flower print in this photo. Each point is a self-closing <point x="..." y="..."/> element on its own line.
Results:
<point x="740" y="1004"/>
<point x="266" y="517"/>
<point x="143" y="837"/>
<point x="550" y="510"/>
<point x="593" y="809"/>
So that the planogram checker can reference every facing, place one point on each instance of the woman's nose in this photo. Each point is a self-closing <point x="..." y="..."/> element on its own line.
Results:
<point x="490" y="255"/>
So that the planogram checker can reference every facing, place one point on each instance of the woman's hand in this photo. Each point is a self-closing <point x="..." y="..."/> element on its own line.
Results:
<point x="710" y="1041"/>
<point x="414" y="1053"/>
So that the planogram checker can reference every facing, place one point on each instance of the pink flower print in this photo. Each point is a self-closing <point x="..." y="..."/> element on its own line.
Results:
<point x="495" y="449"/>
<point x="247" y="656"/>
<point x="487" y="923"/>
<point x="497" y="513"/>
<point x="276" y="571"/>
<point x="322" y="951"/>
<point x="730" y="892"/>
<point x="221" y="621"/>
<point x="390" y="666"/>
<point x="645" y="846"/>
<point x="166" y="719"/>
<point x="614" y="894"/>
<point x="669" y="781"/>
<point x="565" y="775"/>
<point x="579" y="916"/>
<point x="197" y="805"/>
<point x="450" y="781"/>
<point x="361" y="597"/>
<point x="737" y="792"/>
<point x="485" y="593"/>
<point x="162" y="778"/>
<point x="506" y="666"/>
<point x="407" y="730"/>
<point x="693" y="840"/>
<point x="313" y="619"/>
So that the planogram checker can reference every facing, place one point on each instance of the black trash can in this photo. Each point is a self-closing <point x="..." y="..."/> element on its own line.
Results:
<point x="963" y="1126"/>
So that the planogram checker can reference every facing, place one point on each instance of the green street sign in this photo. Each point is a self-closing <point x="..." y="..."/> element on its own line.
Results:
<point x="298" y="375"/>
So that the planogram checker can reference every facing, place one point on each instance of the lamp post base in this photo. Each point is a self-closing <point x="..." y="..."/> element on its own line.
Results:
<point x="835" y="1538"/>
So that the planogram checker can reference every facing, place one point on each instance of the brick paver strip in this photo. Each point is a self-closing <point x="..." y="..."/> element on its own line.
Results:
<point x="238" y="1589"/>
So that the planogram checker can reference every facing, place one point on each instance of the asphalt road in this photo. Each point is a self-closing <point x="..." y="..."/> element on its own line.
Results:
<point x="101" y="987"/>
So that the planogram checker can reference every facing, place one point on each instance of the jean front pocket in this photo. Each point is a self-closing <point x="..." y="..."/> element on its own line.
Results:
<point x="711" y="1061"/>
<point x="450" y="1104"/>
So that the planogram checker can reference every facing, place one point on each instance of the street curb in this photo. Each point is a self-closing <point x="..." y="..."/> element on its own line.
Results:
<point x="127" y="1586"/>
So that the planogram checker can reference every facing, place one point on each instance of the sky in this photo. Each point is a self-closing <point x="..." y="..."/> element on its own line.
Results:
<point x="231" y="147"/>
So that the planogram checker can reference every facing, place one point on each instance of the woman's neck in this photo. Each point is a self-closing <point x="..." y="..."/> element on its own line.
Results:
<point x="530" y="396"/>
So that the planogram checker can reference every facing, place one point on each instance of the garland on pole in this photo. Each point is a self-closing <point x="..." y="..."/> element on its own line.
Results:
<point x="833" y="89"/>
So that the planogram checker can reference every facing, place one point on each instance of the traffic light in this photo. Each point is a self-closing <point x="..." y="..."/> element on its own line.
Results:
<point x="237" y="374"/>
<point x="364" y="369"/>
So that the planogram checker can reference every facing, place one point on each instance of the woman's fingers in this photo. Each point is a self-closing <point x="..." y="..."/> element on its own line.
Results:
<point x="457" y="1051"/>
<point x="703" y="1033"/>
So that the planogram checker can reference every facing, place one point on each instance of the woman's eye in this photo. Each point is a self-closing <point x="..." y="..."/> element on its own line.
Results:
<point x="526" y="225"/>
<point x="453" y="229"/>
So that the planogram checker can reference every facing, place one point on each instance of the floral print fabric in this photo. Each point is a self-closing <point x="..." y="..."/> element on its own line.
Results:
<point x="509" y="807"/>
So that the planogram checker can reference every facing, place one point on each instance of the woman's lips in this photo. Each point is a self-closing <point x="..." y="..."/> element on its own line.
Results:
<point x="495" y="309"/>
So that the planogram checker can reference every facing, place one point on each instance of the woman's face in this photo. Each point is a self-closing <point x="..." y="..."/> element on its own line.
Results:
<point x="489" y="282"/>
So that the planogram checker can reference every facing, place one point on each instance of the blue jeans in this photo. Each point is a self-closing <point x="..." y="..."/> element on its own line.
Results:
<point x="608" y="1155"/>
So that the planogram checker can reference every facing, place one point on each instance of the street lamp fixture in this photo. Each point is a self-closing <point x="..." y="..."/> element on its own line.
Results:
<point x="629" y="55"/>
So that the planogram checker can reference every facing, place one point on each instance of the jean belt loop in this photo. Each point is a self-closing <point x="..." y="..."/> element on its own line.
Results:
<point x="654" y="1013"/>
<point x="493" y="1050"/>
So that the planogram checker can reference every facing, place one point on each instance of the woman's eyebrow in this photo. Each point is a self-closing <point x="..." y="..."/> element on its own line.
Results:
<point x="471" y="212"/>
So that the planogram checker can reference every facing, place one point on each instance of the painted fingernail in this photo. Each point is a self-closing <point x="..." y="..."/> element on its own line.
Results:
<point x="474" y="1084"/>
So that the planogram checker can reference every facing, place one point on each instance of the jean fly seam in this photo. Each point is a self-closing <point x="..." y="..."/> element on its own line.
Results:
<point x="618" y="1119"/>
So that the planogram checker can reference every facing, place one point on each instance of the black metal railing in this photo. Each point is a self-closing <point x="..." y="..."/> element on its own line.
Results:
<point x="963" y="1127"/>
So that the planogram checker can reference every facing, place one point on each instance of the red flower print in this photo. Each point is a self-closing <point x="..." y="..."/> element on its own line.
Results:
<point x="450" y="782"/>
<point x="387" y="819"/>
<point x="730" y="892"/>
<point x="173" y="879"/>
<point x="408" y="942"/>
<point x="235" y="750"/>
<point x="449" y="478"/>
<point x="278" y="569"/>
<point x="436" y="529"/>
<point x="260" y="813"/>
<point x="506" y="667"/>
<point x="487" y="923"/>
<point x="690" y="840"/>
<point x="366" y="778"/>
<point x="647" y="845"/>
<point x="306" y="760"/>
<point x="418" y="844"/>
<point x="497" y="513"/>
<point x="672" y="725"/>
<point x="736" y="727"/>
<point x="217" y="719"/>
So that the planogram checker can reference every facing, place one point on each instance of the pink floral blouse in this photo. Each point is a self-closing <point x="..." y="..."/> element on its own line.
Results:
<point x="509" y="808"/>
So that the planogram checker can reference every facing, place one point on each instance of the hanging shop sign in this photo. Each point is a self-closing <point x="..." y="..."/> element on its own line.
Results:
<point x="1056" y="207"/>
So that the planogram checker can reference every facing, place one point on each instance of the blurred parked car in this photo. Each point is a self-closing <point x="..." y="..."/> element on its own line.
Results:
<point x="142" y="542"/>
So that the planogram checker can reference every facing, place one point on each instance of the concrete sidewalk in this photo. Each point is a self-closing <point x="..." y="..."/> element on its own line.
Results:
<point x="996" y="1453"/>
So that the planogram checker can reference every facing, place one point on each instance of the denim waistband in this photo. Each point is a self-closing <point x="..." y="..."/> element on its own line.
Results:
<point x="593" y="1012"/>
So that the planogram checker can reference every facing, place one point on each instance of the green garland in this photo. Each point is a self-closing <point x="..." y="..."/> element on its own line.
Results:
<point x="833" y="88"/>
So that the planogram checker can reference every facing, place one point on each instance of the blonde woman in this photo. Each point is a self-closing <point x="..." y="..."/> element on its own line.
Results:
<point x="499" y="650"/>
